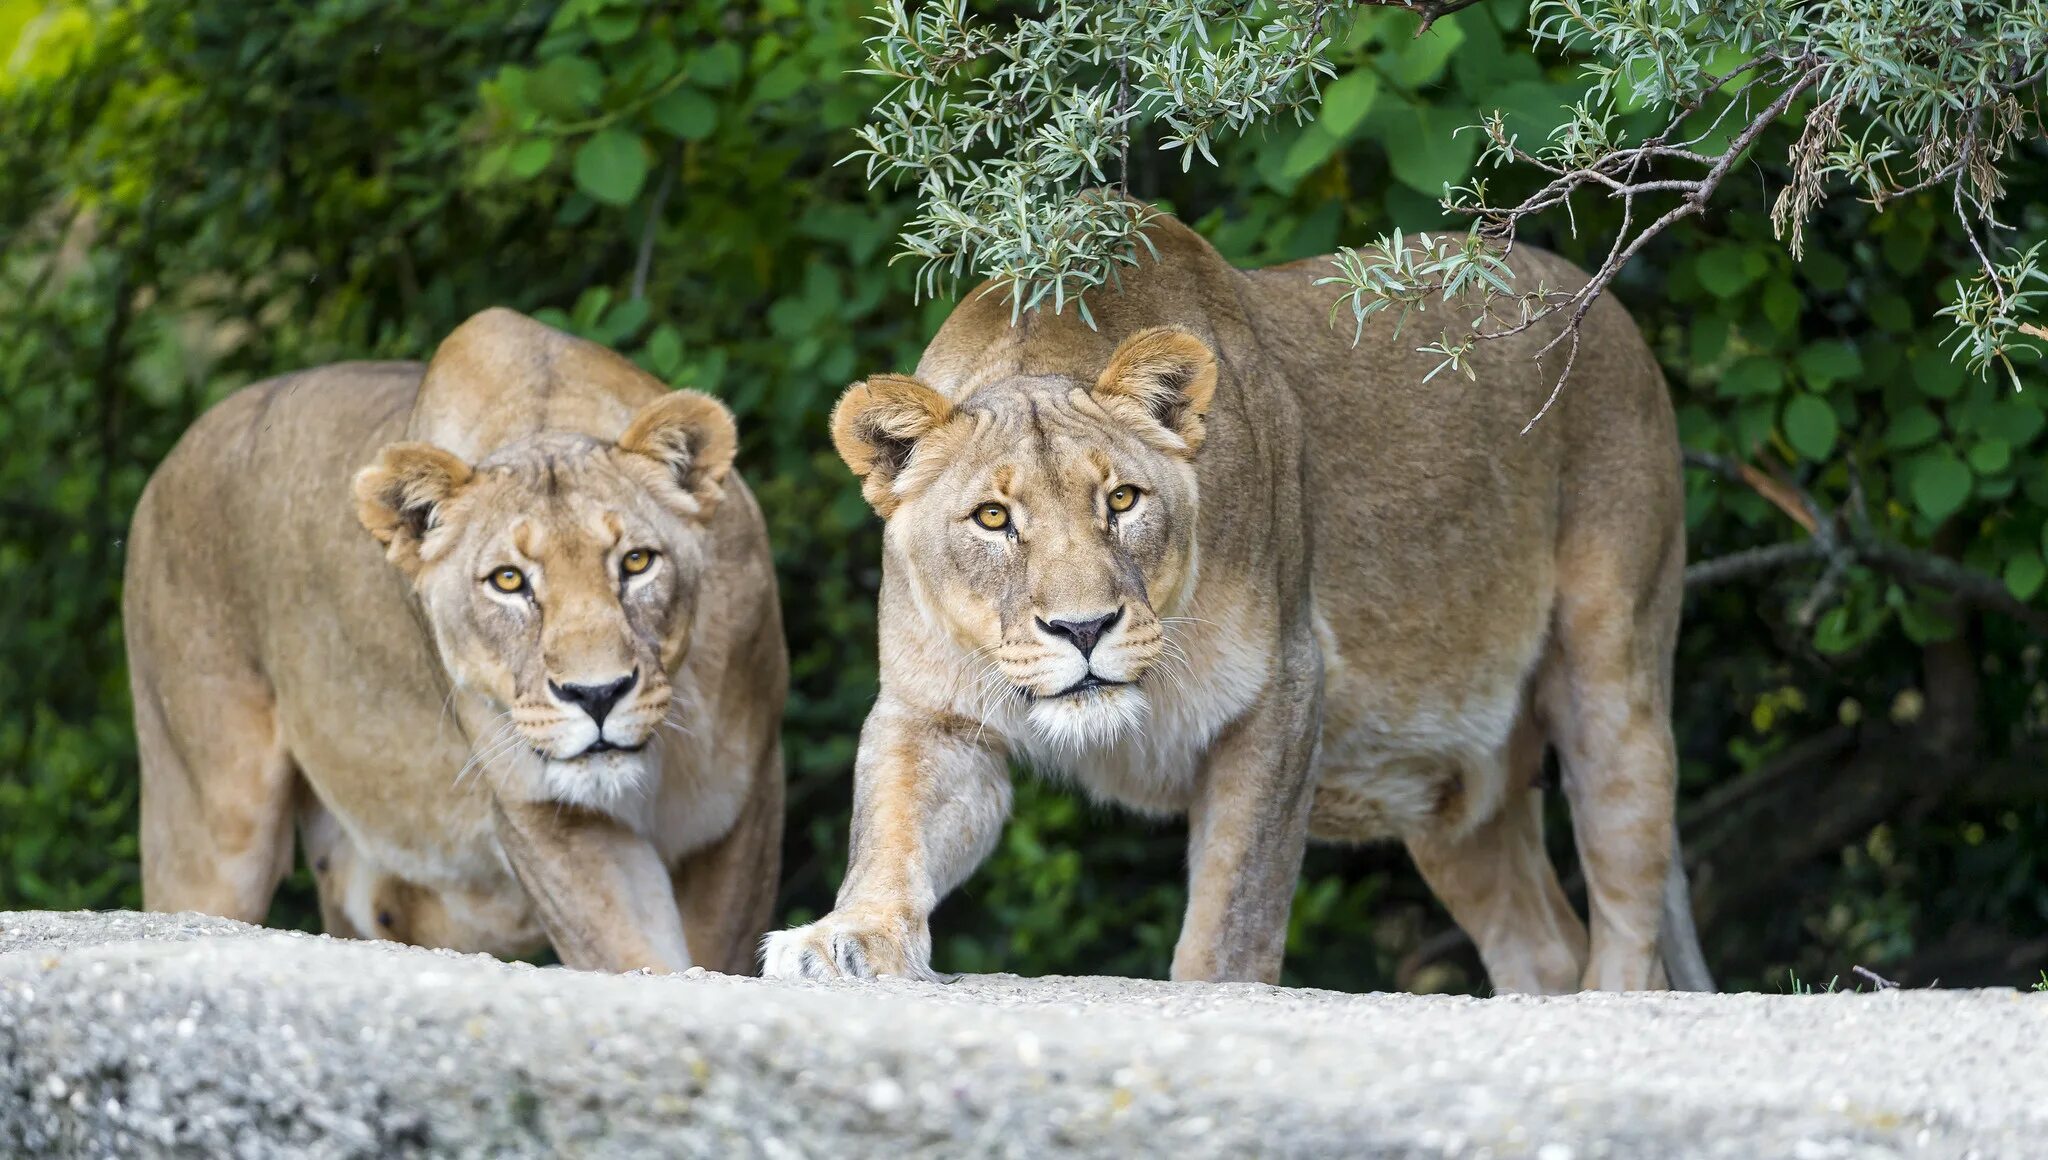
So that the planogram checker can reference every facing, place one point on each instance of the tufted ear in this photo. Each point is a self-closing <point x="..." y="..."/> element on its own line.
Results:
<point x="399" y="497"/>
<point x="877" y="424"/>
<point x="1168" y="372"/>
<point x="693" y="437"/>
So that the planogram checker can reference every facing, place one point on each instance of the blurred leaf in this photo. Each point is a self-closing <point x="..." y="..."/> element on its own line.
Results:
<point x="1810" y="427"/>
<point x="1347" y="101"/>
<point x="529" y="157"/>
<point x="2024" y="572"/>
<point x="1940" y="482"/>
<point x="685" y="113"/>
<point x="612" y="166"/>
<point x="566" y="87"/>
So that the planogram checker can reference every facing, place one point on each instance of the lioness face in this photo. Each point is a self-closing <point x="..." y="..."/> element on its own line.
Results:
<point x="559" y="577"/>
<point x="1045" y="523"/>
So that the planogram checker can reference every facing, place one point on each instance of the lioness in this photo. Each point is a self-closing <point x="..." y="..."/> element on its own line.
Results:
<point x="541" y="705"/>
<point x="1214" y="559"/>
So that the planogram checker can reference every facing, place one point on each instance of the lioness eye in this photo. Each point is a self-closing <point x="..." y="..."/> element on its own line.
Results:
<point x="508" y="580"/>
<point x="637" y="561"/>
<point x="993" y="516"/>
<point x="1122" y="498"/>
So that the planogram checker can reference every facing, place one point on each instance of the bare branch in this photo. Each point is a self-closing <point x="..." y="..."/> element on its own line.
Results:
<point x="1431" y="11"/>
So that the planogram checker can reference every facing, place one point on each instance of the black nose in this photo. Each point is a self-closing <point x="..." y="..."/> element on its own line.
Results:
<point x="596" y="700"/>
<point x="1083" y="633"/>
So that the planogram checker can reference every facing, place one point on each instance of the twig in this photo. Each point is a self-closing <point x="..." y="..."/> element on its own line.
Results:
<point x="1883" y="984"/>
<point x="644" y="262"/>
<point x="1431" y="11"/>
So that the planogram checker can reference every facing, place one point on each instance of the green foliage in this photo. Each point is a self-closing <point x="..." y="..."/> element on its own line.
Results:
<point x="193" y="197"/>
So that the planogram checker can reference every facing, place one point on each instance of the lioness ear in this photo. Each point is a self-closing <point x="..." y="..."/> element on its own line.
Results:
<point x="1168" y="372"/>
<point x="877" y="424"/>
<point x="691" y="435"/>
<point x="399" y="497"/>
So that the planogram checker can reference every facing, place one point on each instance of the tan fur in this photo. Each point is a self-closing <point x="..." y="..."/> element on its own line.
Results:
<point x="1348" y="603"/>
<point x="289" y="668"/>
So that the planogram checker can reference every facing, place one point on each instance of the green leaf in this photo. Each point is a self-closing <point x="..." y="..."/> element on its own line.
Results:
<point x="529" y="157"/>
<point x="783" y="81"/>
<point x="1416" y="61"/>
<point x="665" y="351"/>
<point x="1912" y="427"/>
<point x="492" y="165"/>
<point x="1936" y="374"/>
<point x="1924" y="625"/>
<point x="685" y="113"/>
<point x="1752" y="376"/>
<point x="2024" y="574"/>
<point x="1346" y="102"/>
<point x="566" y="87"/>
<point x="1826" y="363"/>
<point x="717" y="66"/>
<point x="1990" y="457"/>
<point x="1728" y="270"/>
<point x="613" y="25"/>
<point x="1312" y="147"/>
<point x="1424" y="147"/>
<point x="1831" y="636"/>
<point x="1810" y="427"/>
<point x="1782" y="305"/>
<point x="612" y="166"/>
<point x="1940" y="482"/>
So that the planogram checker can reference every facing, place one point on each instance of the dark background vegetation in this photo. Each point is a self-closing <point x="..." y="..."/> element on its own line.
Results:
<point x="195" y="196"/>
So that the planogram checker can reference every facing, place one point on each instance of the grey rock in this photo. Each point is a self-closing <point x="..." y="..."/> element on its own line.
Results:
<point x="138" y="1035"/>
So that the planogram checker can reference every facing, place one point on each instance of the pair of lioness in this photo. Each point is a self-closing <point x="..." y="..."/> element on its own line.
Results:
<point x="1206" y="557"/>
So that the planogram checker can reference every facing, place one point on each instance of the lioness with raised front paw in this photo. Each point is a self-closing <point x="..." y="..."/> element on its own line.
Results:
<point x="1213" y="559"/>
<point x="538" y="700"/>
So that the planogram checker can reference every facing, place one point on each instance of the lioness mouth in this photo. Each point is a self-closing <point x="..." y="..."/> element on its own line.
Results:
<point x="602" y="746"/>
<point x="1086" y="684"/>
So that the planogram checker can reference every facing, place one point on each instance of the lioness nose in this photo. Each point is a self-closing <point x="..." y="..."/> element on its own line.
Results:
<point x="1083" y="633"/>
<point x="596" y="700"/>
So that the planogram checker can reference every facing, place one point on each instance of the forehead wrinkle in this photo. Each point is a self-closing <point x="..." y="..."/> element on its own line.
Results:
<point x="529" y="541"/>
<point x="1100" y="462"/>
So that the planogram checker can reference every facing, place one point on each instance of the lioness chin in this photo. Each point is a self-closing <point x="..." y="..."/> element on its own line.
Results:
<point x="515" y="678"/>
<point x="1214" y="559"/>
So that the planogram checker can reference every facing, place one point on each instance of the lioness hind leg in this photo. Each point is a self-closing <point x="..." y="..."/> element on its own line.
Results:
<point x="216" y="798"/>
<point x="1608" y="698"/>
<point x="1498" y="882"/>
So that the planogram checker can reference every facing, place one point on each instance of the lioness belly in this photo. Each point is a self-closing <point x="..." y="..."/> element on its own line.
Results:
<point x="1399" y="756"/>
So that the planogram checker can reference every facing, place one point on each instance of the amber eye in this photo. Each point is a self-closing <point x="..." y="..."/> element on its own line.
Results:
<point x="636" y="561"/>
<point x="1123" y="498"/>
<point x="508" y="580"/>
<point x="993" y="516"/>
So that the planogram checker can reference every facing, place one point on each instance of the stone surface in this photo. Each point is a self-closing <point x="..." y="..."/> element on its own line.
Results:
<point x="125" y="1035"/>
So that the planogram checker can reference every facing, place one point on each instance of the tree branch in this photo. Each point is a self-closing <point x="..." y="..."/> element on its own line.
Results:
<point x="1844" y="546"/>
<point x="1431" y="11"/>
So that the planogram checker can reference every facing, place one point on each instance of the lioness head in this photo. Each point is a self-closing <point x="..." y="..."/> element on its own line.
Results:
<point x="559" y="577"/>
<point x="1045" y="520"/>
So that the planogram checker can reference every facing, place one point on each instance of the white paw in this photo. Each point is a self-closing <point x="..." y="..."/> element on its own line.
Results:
<point x="836" y="947"/>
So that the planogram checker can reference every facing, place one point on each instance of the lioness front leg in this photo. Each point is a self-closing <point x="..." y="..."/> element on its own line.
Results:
<point x="1247" y="832"/>
<point x="930" y="793"/>
<point x="603" y="895"/>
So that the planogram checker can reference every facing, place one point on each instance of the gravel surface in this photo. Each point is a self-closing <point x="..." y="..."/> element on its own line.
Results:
<point x="127" y="1034"/>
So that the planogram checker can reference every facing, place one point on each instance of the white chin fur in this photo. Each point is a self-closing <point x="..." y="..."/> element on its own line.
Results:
<point x="1069" y="726"/>
<point x="611" y="783"/>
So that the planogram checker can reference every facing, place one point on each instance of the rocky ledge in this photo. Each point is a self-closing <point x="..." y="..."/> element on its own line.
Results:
<point x="128" y="1034"/>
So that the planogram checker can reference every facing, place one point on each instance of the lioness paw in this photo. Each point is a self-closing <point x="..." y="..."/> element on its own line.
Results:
<point x="845" y="948"/>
